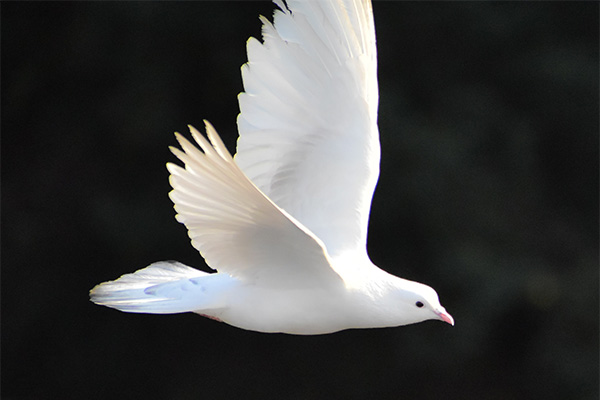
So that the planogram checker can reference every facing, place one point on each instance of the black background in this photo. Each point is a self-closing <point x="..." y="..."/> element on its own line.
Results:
<point x="488" y="192"/>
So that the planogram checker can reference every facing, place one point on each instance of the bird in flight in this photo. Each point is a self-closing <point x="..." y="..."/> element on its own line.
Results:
<point x="284" y="222"/>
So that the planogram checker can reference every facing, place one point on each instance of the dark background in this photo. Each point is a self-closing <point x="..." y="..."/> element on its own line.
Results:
<point x="488" y="192"/>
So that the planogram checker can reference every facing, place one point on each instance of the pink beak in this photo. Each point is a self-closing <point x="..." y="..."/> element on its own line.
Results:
<point x="444" y="316"/>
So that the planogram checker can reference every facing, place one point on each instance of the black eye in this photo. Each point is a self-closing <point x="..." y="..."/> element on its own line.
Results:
<point x="419" y="304"/>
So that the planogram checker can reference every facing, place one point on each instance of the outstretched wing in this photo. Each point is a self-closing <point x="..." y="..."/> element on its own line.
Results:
<point x="236" y="228"/>
<point x="308" y="121"/>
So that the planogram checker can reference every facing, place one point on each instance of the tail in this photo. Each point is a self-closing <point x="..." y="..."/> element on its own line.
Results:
<point x="165" y="287"/>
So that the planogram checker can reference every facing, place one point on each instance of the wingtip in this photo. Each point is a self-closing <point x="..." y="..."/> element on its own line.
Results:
<point x="180" y="139"/>
<point x="208" y="126"/>
<point x="172" y="167"/>
<point x="193" y="130"/>
<point x="216" y="141"/>
<point x="202" y="142"/>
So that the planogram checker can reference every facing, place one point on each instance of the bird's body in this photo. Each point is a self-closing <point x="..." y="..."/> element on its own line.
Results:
<point x="285" y="224"/>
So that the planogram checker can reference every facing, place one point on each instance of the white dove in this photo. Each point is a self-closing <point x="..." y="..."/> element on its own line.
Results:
<point x="285" y="222"/>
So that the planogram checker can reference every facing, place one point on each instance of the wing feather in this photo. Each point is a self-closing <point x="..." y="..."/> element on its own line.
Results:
<point x="237" y="229"/>
<point x="308" y="121"/>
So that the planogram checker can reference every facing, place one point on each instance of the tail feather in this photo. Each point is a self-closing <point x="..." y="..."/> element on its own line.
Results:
<point x="165" y="287"/>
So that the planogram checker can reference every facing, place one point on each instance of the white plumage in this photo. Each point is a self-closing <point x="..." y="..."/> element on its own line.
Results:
<point x="285" y="225"/>
<point x="308" y="122"/>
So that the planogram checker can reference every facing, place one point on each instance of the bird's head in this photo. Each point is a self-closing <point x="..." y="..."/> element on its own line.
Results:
<point x="419" y="302"/>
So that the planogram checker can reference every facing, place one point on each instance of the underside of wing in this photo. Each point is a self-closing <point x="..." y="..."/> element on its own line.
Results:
<point x="237" y="229"/>
<point x="308" y="121"/>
